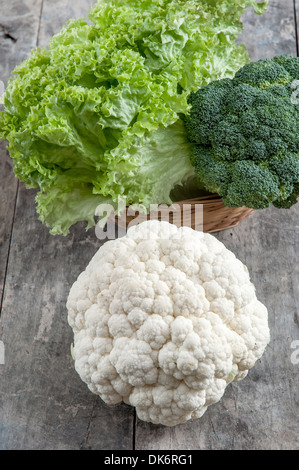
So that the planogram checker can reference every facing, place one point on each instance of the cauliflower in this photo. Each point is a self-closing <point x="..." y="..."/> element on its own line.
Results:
<point x="164" y="319"/>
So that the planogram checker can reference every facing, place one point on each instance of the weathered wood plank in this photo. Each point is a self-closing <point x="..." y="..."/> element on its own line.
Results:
<point x="19" y="23"/>
<point x="7" y="206"/>
<point x="43" y="402"/>
<point x="296" y="6"/>
<point x="55" y="15"/>
<point x="260" y="412"/>
<point x="272" y="33"/>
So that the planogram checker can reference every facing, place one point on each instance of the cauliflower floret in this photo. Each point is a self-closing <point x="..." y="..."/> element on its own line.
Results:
<point x="164" y="319"/>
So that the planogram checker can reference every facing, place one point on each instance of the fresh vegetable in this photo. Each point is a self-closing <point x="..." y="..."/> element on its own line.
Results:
<point x="96" y="115"/>
<point x="164" y="319"/>
<point x="246" y="135"/>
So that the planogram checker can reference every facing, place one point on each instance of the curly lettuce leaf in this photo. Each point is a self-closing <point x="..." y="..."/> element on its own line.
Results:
<point x="96" y="114"/>
<point x="162" y="163"/>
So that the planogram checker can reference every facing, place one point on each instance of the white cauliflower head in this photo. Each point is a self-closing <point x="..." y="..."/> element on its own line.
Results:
<point x="164" y="319"/>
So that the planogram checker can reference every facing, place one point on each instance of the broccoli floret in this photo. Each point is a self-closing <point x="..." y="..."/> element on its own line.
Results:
<point x="245" y="135"/>
<point x="289" y="201"/>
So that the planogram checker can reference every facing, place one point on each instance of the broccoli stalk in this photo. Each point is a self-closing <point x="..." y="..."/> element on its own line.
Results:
<point x="245" y="135"/>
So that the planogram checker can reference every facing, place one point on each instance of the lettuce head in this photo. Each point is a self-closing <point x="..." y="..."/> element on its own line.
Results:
<point x="97" y="114"/>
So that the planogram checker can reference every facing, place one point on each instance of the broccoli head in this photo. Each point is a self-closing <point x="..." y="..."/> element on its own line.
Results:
<point x="245" y="134"/>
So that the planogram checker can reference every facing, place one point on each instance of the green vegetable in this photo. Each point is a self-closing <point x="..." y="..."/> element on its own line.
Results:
<point x="96" y="115"/>
<point x="246" y="135"/>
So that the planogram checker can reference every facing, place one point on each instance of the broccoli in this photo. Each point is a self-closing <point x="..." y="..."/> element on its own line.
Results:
<point x="245" y="135"/>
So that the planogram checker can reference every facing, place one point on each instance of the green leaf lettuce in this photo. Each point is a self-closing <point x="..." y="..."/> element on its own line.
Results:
<point x="96" y="115"/>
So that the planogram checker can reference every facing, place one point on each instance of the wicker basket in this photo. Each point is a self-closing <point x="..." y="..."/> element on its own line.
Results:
<point x="216" y="216"/>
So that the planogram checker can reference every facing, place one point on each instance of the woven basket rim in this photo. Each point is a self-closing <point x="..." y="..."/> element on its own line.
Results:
<point x="216" y="215"/>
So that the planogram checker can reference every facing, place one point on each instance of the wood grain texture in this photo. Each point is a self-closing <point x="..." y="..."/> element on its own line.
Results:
<point x="260" y="412"/>
<point x="19" y="26"/>
<point x="8" y="194"/>
<point x="43" y="402"/>
<point x="296" y="9"/>
<point x="56" y="13"/>
<point x="271" y="34"/>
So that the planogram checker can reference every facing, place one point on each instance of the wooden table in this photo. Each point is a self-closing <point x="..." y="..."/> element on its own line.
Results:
<point x="43" y="402"/>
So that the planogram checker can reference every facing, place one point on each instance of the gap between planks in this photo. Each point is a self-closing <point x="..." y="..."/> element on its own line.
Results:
<point x="40" y="20"/>
<point x="296" y="18"/>
<point x="9" y="246"/>
<point x="17" y="188"/>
